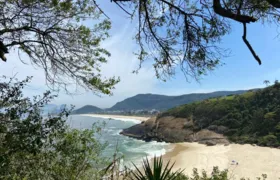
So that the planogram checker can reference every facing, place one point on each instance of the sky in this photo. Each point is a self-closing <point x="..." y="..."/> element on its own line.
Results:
<point x="240" y="71"/>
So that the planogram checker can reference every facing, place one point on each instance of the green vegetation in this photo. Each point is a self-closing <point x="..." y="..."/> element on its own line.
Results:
<point x="161" y="102"/>
<point x="54" y="38"/>
<point x="156" y="172"/>
<point x="188" y="33"/>
<point x="253" y="117"/>
<point x="37" y="147"/>
<point x="147" y="102"/>
<point x="58" y="36"/>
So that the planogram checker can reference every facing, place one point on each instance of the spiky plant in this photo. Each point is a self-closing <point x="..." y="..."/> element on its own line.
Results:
<point x="157" y="172"/>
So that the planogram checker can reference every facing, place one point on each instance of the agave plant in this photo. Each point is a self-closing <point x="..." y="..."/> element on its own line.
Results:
<point x="157" y="172"/>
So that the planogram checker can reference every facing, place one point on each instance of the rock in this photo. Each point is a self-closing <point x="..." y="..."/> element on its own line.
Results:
<point x="171" y="129"/>
<point x="218" y="129"/>
<point x="210" y="143"/>
<point x="188" y="124"/>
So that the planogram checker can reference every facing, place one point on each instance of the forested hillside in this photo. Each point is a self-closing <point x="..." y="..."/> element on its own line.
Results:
<point x="253" y="117"/>
<point x="162" y="102"/>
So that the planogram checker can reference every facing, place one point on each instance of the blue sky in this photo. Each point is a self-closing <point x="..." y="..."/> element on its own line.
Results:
<point x="240" y="71"/>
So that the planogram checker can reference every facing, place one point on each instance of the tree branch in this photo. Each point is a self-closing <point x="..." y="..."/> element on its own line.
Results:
<point x="249" y="45"/>
<point x="274" y="3"/>
<point x="228" y="14"/>
<point x="100" y="9"/>
<point x="153" y="33"/>
<point x="116" y="1"/>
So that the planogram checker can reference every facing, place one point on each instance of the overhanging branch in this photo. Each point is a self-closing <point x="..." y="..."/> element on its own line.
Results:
<point x="249" y="45"/>
<point x="274" y="3"/>
<point x="228" y="14"/>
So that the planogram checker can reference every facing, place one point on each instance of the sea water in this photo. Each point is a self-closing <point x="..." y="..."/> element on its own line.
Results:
<point x="132" y="150"/>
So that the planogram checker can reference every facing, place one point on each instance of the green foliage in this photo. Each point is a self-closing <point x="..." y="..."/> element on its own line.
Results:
<point x="188" y="33"/>
<point x="215" y="175"/>
<point x="269" y="140"/>
<point x="252" y="117"/>
<point x="161" y="102"/>
<point x="33" y="146"/>
<point x="56" y="37"/>
<point x="155" y="171"/>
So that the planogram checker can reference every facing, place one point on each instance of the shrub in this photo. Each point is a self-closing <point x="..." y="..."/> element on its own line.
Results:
<point x="155" y="171"/>
<point x="33" y="146"/>
<point x="269" y="140"/>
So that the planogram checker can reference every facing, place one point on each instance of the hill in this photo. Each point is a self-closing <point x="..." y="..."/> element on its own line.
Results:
<point x="162" y="102"/>
<point x="87" y="109"/>
<point x="253" y="117"/>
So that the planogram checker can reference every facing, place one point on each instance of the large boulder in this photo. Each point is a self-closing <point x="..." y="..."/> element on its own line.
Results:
<point x="171" y="129"/>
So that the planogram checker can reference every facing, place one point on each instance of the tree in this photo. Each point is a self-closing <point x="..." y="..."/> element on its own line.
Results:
<point x="33" y="146"/>
<point x="266" y="82"/>
<point x="53" y="35"/>
<point x="172" y="32"/>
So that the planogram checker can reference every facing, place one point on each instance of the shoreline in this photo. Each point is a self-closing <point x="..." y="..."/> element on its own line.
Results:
<point x="111" y="116"/>
<point x="242" y="161"/>
<point x="246" y="161"/>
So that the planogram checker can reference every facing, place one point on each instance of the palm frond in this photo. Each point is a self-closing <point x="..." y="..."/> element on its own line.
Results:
<point x="157" y="172"/>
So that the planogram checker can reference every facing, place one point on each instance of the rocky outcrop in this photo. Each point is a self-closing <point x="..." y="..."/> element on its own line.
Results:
<point x="171" y="129"/>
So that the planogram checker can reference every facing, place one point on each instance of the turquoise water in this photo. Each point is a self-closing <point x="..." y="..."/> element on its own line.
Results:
<point x="132" y="150"/>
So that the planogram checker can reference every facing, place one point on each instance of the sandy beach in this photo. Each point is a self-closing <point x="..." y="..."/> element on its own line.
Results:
<point x="139" y="118"/>
<point x="241" y="160"/>
<point x="253" y="161"/>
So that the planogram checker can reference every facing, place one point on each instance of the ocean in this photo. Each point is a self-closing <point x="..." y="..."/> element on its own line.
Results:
<point x="132" y="150"/>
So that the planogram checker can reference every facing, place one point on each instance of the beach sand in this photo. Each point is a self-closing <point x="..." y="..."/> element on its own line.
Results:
<point x="253" y="161"/>
<point x="139" y="118"/>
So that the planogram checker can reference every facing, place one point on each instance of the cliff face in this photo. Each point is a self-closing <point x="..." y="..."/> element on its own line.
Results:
<point x="171" y="129"/>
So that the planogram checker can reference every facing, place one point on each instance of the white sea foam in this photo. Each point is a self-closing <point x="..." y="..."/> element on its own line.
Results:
<point x="116" y="133"/>
<point x="151" y="149"/>
<point x="114" y="118"/>
<point x="126" y="120"/>
<point x="133" y="150"/>
<point x="156" y="149"/>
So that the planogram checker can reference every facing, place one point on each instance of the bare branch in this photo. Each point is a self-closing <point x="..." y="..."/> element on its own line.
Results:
<point x="249" y="45"/>
<point x="274" y="3"/>
<point x="228" y="14"/>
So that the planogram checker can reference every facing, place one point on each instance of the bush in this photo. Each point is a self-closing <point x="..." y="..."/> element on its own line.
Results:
<point x="156" y="171"/>
<point x="269" y="140"/>
<point x="36" y="147"/>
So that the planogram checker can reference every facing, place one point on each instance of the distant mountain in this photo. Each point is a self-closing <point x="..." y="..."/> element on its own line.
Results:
<point x="87" y="109"/>
<point x="162" y="102"/>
